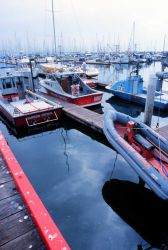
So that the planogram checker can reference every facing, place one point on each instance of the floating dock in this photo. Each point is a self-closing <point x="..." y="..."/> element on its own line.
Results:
<point x="88" y="117"/>
<point x="24" y="221"/>
<point x="85" y="116"/>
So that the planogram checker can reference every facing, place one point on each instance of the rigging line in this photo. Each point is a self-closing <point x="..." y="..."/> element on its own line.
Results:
<point x="160" y="99"/>
<point x="73" y="8"/>
<point x="114" y="165"/>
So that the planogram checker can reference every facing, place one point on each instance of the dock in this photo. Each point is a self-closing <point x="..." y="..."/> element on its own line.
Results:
<point x="17" y="230"/>
<point x="24" y="221"/>
<point x="88" y="117"/>
<point x="78" y="113"/>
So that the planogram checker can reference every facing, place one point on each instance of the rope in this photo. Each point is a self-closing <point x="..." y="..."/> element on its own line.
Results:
<point x="157" y="124"/>
<point x="133" y="128"/>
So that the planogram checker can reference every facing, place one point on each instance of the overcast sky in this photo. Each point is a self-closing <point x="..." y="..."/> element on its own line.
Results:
<point x="28" y="23"/>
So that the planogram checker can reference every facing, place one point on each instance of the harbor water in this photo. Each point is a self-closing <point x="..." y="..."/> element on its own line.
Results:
<point x="91" y="192"/>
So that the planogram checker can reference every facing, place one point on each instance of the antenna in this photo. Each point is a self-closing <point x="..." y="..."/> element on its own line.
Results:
<point x="164" y="42"/>
<point x="133" y="38"/>
<point x="53" y="18"/>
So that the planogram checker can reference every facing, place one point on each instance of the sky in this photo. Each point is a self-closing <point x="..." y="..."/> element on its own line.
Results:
<point x="84" y="25"/>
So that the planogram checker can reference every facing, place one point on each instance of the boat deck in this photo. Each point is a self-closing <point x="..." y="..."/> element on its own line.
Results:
<point x="21" y="107"/>
<point x="17" y="230"/>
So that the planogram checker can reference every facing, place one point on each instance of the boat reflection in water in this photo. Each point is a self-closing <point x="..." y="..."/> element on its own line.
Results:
<point x="141" y="209"/>
<point x="133" y="110"/>
<point x="125" y="107"/>
<point x="25" y="132"/>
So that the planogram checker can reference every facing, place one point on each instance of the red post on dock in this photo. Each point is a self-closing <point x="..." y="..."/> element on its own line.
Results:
<point x="49" y="232"/>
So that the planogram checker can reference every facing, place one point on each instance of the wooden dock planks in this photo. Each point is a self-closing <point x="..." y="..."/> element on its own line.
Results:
<point x="88" y="117"/>
<point x="17" y="230"/>
<point x="78" y="113"/>
<point x="47" y="229"/>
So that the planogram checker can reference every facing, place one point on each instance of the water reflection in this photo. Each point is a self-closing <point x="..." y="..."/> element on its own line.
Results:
<point x="131" y="109"/>
<point x="65" y="139"/>
<point x="141" y="209"/>
<point x="21" y="133"/>
<point x="125" y="107"/>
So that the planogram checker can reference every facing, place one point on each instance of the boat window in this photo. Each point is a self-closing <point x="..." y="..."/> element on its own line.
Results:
<point x="3" y="84"/>
<point x="7" y="84"/>
<point x="13" y="83"/>
<point x="18" y="81"/>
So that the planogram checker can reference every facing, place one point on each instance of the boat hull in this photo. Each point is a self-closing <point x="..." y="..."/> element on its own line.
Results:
<point x="138" y="99"/>
<point x="86" y="100"/>
<point x="33" y="119"/>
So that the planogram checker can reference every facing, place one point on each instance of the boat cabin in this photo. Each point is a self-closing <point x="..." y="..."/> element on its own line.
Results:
<point x="132" y="85"/>
<point x="69" y="84"/>
<point x="12" y="87"/>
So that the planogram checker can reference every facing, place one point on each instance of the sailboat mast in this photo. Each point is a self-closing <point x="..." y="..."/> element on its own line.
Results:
<point x="133" y="38"/>
<point x="53" y="18"/>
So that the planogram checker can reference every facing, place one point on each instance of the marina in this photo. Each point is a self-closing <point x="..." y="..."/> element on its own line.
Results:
<point x="86" y="125"/>
<point x="83" y="125"/>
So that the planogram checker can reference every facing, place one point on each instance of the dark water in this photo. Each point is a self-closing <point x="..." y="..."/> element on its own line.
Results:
<point x="70" y="167"/>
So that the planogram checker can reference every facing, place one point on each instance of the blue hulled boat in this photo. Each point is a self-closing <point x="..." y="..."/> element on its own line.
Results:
<point x="132" y="90"/>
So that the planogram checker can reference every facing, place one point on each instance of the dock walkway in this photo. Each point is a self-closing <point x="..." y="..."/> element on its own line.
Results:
<point x="17" y="230"/>
<point x="22" y="223"/>
<point x="85" y="116"/>
<point x="88" y="117"/>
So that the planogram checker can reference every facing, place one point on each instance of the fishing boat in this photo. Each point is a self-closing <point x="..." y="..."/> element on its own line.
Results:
<point x="70" y="88"/>
<point x="23" y="108"/>
<point x="132" y="90"/>
<point x="144" y="149"/>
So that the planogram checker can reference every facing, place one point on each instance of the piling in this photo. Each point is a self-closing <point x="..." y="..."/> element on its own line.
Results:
<point x="150" y="100"/>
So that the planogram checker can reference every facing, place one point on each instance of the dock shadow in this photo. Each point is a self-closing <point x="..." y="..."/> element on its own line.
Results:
<point x="140" y="208"/>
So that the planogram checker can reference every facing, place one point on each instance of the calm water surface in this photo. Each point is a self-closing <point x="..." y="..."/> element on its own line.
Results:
<point x="70" y="167"/>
